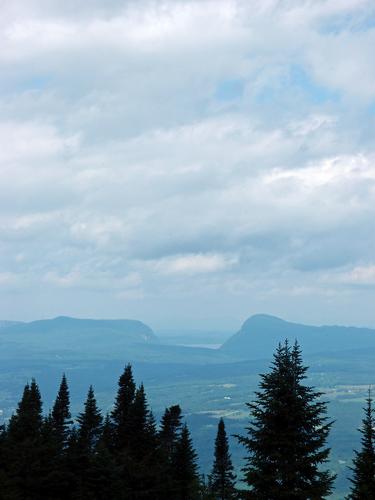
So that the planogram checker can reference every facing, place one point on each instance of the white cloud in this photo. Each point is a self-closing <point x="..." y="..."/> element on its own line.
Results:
<point x="123" y="173"/>
<point x="361" y="275"/>
<point x="193" y="264"/>
<point x="9" y="280"/>
<point x="30" y="142"/>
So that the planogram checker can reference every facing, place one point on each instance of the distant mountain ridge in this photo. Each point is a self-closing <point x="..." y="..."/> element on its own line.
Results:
<point x="260" y="334"/>
<point x="64" y="334"/>
<point x="71" y="338"/>
<point x="133" y="329"/>
<point x="5" y="324"/>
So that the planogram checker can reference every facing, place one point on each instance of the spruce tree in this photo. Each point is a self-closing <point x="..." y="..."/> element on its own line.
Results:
<point x="89" y="423"/>
<point x="120" y="413"/>
<point x="107" y="435"/>
<point x="83" y="450"/>
<point x="142" y="464"/>
<point x="363" y="480"/>
<point x="222" y="478"/>
<point x="61" y="418"/>
<point x="185" y="468"/>
<point x="170" y="428"/>
<point x="106" y="482"/>
<point x="169" y="434"/>
<point x="142" y="432"/>
<point x="24" y="447"/>
<point x="27" y="421"/>
<point x="58" y="477"/>
<point x="3" y="436"/>
<point x="287" y="434"/>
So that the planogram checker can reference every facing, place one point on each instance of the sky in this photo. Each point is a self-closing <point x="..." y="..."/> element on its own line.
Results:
<point x="188" y="163"/>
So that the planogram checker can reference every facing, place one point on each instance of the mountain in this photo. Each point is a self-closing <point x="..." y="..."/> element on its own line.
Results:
<point x="6" y="324"/>
<point x="132" y="330"/>
<point x="260" y="334"/>
<point x="68" y="335"/>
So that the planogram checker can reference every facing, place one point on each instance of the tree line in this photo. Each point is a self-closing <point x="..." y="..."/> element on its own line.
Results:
<point x="126" y="455"/>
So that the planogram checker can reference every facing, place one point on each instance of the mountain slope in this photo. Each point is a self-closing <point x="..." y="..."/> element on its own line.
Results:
<point x="7" y="324"/>
<point x="132" y="330"/>
<point x="64" y="334"/>
<point x="260" y="334"/>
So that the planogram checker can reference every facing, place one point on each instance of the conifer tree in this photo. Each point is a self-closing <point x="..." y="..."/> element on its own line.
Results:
<point x="106" y="481"/>
<point x="222" y="478"/>
<point x="83" y="448"/>
<point x="287" y="434"/>
<point x="55" y="437"/>
<point x="185" y="468"/>
<point x="141" y="458"/>
<point x="61" y="418"/>
<point x="170" y="427"/>
<point x="27" y="421"/>
<point x="363" y="480"/>
<point x="120" y="413"/>
<point x="142" y="430"/>
<point x="169" y="434"/>
<point x="107" y="435"/>
<point x="54" y="470"/>
<point x="24" y="447"/>
<point x="2" y="460"/>
<point x="89" y="423"/>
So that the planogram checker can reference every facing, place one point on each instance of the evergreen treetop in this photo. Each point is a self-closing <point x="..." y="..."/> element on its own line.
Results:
<point x="89" y="423"/>
<point x="61" y="417"/>
<point x="27" y="421"/>
<point x="287" y="434"/>
<point x="363" y="480"/>
<point x="222" y="478"/>
<point x="185" y="468"/>
<point x="123" y="403"/>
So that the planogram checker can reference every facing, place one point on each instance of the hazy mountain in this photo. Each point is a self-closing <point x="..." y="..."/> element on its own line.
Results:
<point x="260" y="334"/>
<point x="6" y="324"/>
<point x="132" y="330"/>
<point x="71" y="339"/>
<point x="63" y="335"/>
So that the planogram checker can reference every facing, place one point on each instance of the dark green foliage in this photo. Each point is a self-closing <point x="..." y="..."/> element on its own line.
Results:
<point x="2" y="460"/>
<point x="56" y="433"/>
<point x="287" y="434"/>
<point x="363" y="479"/>
<point x="185" y="468"/>
<point x="142" y="431"/>
<point x="24" y="461"/>
<point x="82" y="449"/>
<point x="120" y="414"/>
<point x="140" y="458"/>
<point x="27" y="421"/>
<point x="61" y="418"/>
<point x="89" y="424"/>
<point x="107" y="436"/>
<point x="171" y="424"/>
<point x="169" y="435"/>
<point x="222" y="478"/>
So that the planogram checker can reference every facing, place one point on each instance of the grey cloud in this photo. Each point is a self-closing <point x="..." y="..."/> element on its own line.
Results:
<point x="128" y="187"/>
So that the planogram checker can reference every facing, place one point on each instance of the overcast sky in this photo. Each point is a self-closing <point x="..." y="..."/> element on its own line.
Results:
<point x="188" y="163"/>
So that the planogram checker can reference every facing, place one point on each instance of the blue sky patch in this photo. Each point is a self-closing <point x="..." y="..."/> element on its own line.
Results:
<point x="228" y="90"/>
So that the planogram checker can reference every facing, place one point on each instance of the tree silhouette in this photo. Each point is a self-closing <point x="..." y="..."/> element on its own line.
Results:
<point x="287" y="434"/>
<point x="222" y="478"/>
<point x="363" y="480"/>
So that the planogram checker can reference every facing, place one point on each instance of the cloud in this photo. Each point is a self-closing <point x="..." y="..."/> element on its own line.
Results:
<point x="193" y="264"/>
<point x="211" y="155"/>
<point x="361" y="275"/>
<point x="32" y="141"/>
